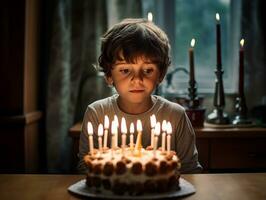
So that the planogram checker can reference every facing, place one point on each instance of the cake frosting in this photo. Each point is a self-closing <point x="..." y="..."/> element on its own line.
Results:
<point x="121" y="171"/>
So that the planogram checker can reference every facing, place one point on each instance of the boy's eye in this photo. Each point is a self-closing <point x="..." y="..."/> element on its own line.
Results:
<point x="124" y="71"/>
<point x="148" y="71"/>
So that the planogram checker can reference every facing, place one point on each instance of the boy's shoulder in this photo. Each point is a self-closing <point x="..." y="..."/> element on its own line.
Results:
<point x="102" y="105"/>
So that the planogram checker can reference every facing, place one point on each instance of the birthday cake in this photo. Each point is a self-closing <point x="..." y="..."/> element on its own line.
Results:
<point x="126" y="173"/>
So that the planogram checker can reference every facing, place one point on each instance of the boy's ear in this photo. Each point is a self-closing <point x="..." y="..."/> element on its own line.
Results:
<point x="109" y="80"/>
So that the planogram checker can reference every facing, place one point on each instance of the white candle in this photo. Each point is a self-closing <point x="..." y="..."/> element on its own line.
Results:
<point x="116" y="135"/>
<point x="100" y="134"/>
<point x="124" y="132"/>
<point x="106" y="127"/>
<point x="164" y="128"/>
<point x="131" y="130"/>
<point x="169" y="132"/>
<point x="139" y="136"/>
<point x="90" y="132"/>
<point x="114" y="132"/>
<point x="157" y="131"/>
<point x="153" y="123"/>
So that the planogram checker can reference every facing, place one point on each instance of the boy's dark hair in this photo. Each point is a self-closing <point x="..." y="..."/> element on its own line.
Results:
<point x="132" y="38"/>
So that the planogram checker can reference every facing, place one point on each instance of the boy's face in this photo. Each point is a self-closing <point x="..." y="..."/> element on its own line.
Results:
<point x="134" y="82"/>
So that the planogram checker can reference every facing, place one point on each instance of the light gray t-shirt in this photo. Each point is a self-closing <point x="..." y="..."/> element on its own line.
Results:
<point x="182" y="140"/>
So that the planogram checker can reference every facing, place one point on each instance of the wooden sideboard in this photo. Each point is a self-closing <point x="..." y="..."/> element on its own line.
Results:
<point x="220" y="150"/>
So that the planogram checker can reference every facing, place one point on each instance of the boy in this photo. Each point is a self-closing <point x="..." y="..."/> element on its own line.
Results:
<point x="135" y="57"/>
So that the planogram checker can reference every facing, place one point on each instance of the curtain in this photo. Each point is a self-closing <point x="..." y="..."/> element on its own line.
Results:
<point x="72" y="82"/>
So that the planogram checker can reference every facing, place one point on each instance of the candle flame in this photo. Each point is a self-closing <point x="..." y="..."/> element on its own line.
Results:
<point x="131" y="128"/>
<point x="153" y="121"/>
<point x="100" y="130"/>
<point x="217" y="16"/>
<point x="123" y="125"/>
<point x="139" y="125"/>
<point x="192" y="43"/>
<point x="164" y="126"/>
<point x="116" y="121"/>
<point x="106" y="122"/>
<point x="150" y="16"/>
<point x="89" y="128"/>
<point x="157" y="129"/>
<point x="169" y="128"/>
<point x="114" y="127"/>
<point x="242" y="41"/>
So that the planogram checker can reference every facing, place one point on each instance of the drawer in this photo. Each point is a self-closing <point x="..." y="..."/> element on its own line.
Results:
<point x="235" y="153"/>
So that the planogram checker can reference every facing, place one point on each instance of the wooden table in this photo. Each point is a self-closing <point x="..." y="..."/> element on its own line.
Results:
<point x="209" y="186"/>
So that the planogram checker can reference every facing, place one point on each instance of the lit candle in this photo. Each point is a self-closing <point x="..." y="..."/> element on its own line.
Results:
<point x="114" y="132"/>
<point x="218" y="42"/>
<point x="169" y="132"/>
<point x="116" y="135"/>
<point x="90" y="132"/>
<point x="157" y="132"/>
<point x="164" y="128"/>
<point x="153" y="123"/>
<point x="241" y="68"/>
<point x="150" y="16"/>
<point x="191" y="61"/>
<point x="131" y="130"/>
<point x="124" y="132"/>
<point x="106" y="127"/>
<point x="139" y="136"/>
<point x="100" y="134"/>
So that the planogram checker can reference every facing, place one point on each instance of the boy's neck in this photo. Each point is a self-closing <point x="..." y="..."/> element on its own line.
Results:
<point x="135" y="108"/>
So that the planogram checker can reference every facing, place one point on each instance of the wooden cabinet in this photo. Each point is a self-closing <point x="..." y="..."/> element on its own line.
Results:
<point x="232" y="149"/>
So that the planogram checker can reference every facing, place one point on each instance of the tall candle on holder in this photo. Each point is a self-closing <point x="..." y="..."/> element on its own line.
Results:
<point x="157" y="132"/>
<point x="100" y="134"/>
<point x="218" y="42"/>
<point x="106" y="127"/>
<point x="241" y="68"/>
<point x="124" y="132"/>
<point x="191" y="61"/>
<point x="131" y="130"/>
<point x="164" y="128"/>
<point x="90" y="132"/>
<point x="139" y="137"/>
<point x="169" y="133"/>
<point x="153" y="123"/>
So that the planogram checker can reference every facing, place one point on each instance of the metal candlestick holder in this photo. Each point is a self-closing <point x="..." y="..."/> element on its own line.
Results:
<point x="241" y="118"/>
<point x="193" y="109"/>
<point x="218" y="116"/>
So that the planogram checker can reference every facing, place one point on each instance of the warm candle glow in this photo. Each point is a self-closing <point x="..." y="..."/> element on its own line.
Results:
<point x="169" y="132"/>
<point x="150" y="17"/>
<point x="153" y="123"/>
<point x="131" y="128"/>
<point x="90" y="132"/>
<point x="217" y="16"/>
<point x="89" y="128"/>
<point x="106" y="127"/>
<point x="114" y="133"/>
<point x="100" y="130"/>
<point x="100" y="134"/>
<point x="242" y="41"/>
<point x="192" y="43"/>
<point x="117" y="126"/>
<point x="164" y="128"/>
<point x="139" y="126"/>
<point x="169" y="128"/>
<point x="123" y="125"/>
<point x="106" y="122"/>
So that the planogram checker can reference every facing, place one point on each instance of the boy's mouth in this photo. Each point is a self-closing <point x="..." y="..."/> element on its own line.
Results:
<point x="136" y="91"/>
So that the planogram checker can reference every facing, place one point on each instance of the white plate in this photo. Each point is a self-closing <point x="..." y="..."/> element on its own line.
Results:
<point x="81" y="188"/>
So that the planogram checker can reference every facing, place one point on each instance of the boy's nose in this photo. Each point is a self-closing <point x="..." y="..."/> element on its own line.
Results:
<point x="137" y="76"/>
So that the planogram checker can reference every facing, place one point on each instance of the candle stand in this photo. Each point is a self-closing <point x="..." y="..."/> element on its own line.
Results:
<point x="194" y="109"/>
<point x="218" y="116"/>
